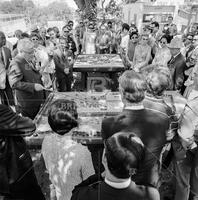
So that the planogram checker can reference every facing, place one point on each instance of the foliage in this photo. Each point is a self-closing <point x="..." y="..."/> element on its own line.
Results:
<point x="58" y="10"/>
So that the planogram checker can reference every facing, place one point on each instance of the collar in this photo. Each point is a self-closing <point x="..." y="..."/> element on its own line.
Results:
<point x="153" y="98"/>
<point x="121" y="185"/>
<point x="138" y="106"/>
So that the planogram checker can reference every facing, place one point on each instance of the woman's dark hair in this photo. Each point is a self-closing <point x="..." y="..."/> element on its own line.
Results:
<point x="125" y="26"/>
<point x="25" y="35"/>
<point x="62" y="116"/>
<point x="124" y="151"/>
<point x="168" y="39"/>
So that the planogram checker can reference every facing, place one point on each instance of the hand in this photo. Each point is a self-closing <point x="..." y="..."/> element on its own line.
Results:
<point x="38" y="87"/>
<point x="66" y="70"/>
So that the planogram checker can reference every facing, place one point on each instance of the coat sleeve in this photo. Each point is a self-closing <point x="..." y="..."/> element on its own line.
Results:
<point x="15" y="77"/>
<point x="58" y="64"/>
<point x="12" y="124"/>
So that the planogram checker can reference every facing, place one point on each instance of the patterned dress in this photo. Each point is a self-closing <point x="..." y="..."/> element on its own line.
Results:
<point x="68" y="163"/>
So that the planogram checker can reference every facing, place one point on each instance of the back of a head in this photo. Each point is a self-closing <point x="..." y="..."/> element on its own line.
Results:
<point x="158" y="80"/>
<point x="124" y="151"/>
<point x="132" y="86"/>
<point x="62" y="116"/>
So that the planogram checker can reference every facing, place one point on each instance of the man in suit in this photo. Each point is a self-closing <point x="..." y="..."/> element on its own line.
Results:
<point x="148" y="124"/>
<point x="25" y="80"/>
<point x="63" y="66"/>
<point x="122" y="155"/>
<point x="5" y="57"/>
<point x="177" y="64"/>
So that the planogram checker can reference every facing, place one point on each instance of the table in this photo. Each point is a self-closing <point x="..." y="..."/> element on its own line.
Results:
<point x="91" y="107"/>
<point x="96" y="69"/>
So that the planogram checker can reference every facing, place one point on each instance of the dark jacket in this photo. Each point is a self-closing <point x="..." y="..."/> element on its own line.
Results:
<point x="102" y="191"/>
<point x="7" y="94"/>
<point x="12" y="129"/>
<point x="22" y="78"/>
<point x="151" y="126"/>
<point x="177" y="66"/>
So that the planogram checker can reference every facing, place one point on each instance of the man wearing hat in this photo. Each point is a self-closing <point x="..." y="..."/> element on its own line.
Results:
<point x="177" y="64"/>
<point x="26" y="80"/>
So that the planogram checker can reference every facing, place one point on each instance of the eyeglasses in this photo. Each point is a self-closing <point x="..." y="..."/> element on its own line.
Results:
<point x="34" y="39"/>
<point x="145" y="39"/>
<point x="163" y="42"/>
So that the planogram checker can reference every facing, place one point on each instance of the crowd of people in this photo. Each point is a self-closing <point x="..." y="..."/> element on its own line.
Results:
<point x="137" y="143"/>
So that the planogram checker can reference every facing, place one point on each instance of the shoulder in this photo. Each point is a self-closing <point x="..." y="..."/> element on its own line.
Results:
<point x="86" y="193"/>
<point x="145" y="192"/>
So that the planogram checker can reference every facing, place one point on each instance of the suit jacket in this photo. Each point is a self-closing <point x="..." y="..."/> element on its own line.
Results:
<point x="12" y="128"/>
<point x="61" y="62"/>
<point x="102" y="191"/>
<point x="177" y="66"/>
<point x="22" y="78"/>
<point x="6" y="94"/>
<point x="151" y="126"/>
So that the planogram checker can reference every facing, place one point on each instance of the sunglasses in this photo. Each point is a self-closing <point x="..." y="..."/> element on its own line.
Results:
<point x="163" y="42"/>
<point x="34" y="39"/>
<point x="134" y="37"/>
<point x="145" y="39"/>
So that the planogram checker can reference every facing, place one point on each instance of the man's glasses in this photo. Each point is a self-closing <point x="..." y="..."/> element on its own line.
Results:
<point x="145" y="39"/>
<point x="134" y="38"/>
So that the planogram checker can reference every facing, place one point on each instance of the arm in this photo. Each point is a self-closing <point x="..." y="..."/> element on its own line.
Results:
<point x="12" y="124"/>
<point x="15" y="77"/>
<point x="152" y="193"/>
<point x="188" y="123"/>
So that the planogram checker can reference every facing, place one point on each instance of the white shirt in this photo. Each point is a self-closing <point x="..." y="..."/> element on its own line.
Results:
<point x="121" y="185"/>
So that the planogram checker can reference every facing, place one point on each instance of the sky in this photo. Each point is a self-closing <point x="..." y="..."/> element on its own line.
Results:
<point x="70" y="3"/>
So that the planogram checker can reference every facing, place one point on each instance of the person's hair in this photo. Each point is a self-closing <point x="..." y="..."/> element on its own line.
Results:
<point x="109" y="22"/>
<point x="70" y="21"/>
<point x="170" y="16"/>
<point x="25" y="45"/>
<point x="124" y="151"/>
<point x="33" y="34"/>
<point x="144" y="35"/>
<point x="56" y="28"/>
<point x="18" y="33"/>
<point x="25" y="35"/>
<point x="134" y="33"/>
<point x="165" y="37"/>
<point x="158" y="80"/>
<point x="2" y="34"/>
<point x="125" y="26"/>
<point x="156" y="24"/>
<point x="132" y="86"/>
<point x="50" y="29"/>
<point x="62" y="116"/>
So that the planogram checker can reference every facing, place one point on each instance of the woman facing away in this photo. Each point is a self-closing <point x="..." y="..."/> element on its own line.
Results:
<point x="67" y="161"/>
